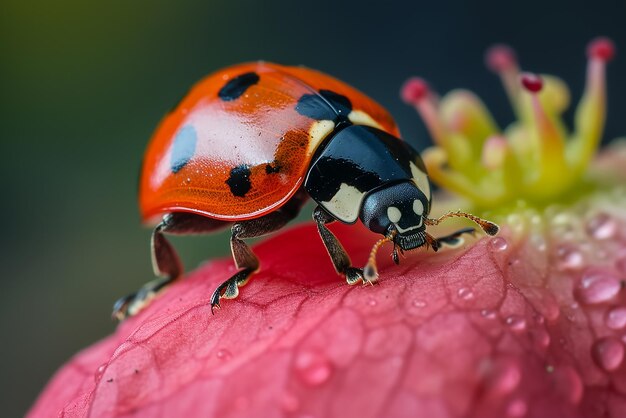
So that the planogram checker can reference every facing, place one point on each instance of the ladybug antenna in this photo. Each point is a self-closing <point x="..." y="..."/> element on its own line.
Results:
<point x="370" y="272"/>
<point x="489" y="227"/>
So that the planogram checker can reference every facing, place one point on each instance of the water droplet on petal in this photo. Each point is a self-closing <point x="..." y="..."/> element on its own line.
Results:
<point x="569" y="258"/>
<point x="419" y="303"/>
<point x="601" y="226"/>
<point x="517" y="408"/>
<point x="313" y="367"/>
<point x="372" y="302"/>
<point x="223" y="354"/>
<point x="616" y="317"/>
<point x="608" y="353"/>
<point x="536" y="220"/>
<point x="465" y="293"/>
<point x="498" y="244"/>
<point x="562" y="226"/>
<point x="597" y="286"/>
<point x="516" y="323"/>
<point x="539" y="242"/>
<point x="487" y="313"/>
<point x="516" y="222"/>
<point x="100" y="371"/>
<point x="507" y="378"/>
<point x="569" y="384"/>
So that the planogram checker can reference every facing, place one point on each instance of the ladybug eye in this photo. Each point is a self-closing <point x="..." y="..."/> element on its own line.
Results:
<point x="394" y="214"/>
<point x="418" y="207"/>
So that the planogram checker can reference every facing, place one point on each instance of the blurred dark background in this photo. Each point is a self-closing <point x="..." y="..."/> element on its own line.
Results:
<point x="84" y="84"/>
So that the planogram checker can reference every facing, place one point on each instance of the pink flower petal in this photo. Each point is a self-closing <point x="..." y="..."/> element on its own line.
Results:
<point x="457" y="333"/>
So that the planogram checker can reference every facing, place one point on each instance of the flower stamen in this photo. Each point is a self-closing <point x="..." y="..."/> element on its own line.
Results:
<point x="533" y="160"/>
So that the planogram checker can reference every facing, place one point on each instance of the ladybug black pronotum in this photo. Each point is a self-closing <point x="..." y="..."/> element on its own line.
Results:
<point x="251" y="143"/>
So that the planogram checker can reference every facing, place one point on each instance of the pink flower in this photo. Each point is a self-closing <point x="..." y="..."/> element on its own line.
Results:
<point x="531" y="323"/>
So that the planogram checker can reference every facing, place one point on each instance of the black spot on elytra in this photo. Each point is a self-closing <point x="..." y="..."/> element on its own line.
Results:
<point x="183" y="147"/>
<point x="327" y="105"/>
<point x="237" y="86"/>
<point x="239" y="180"/>
<point x="272" y="168"/>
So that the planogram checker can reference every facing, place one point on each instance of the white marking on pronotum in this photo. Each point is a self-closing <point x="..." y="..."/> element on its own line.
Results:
<point x="359" y="117"/>
<point x="402" y="230"/>
<point x="318" y="131"/>
<point x="421" y="180"/>
<point x="394" y="214"/>
<point x="345" y="204"/>
<point x="418" y="207"/>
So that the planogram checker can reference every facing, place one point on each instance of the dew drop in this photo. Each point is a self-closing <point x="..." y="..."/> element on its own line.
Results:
<point x="616" y="317"/>
<point x="562" y="225"/>
<point x="516" y="222"/>
<point x="569" y="258"/>
<point x="498" y="244"/>
<point x="569" y="384"/>
<point x="372" y="302"/>
<point x="517" y="408"/>
<point x="419" y="303"/>
<point x="465" y="293"/>
<point x="507" y="378"/>
<point x="516" y="323"/>
<point x="601" y="226"/>
<point x="597" y="286"/>
<point x="608" y="353"/>
<point x="539" y="242"/>
<point x="223" y="354"/>
<point x="313" y="367"/>
<point x="100" y="371"/>
<point x="489" y="314"/>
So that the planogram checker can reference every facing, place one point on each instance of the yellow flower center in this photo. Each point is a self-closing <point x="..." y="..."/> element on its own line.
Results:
<point x="536" y="159"/>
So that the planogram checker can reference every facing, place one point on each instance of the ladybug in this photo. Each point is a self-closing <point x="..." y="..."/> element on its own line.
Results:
<point x="251" y="143"/>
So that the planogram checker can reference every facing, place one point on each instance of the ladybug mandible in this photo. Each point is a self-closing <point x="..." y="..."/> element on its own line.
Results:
<point x="251" y="143"/>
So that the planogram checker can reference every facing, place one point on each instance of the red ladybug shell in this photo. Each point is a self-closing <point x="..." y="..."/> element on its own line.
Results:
<point x="236" y="148"/>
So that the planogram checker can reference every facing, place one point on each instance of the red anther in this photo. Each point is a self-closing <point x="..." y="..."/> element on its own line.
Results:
<point x="500" y="58"/>
<point x="531" y="82"/>
<point x="601" y="48"/>
<point x="414" y="90"/>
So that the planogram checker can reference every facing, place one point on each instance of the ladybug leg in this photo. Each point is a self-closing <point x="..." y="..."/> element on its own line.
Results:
<point x="453" y="240"/>
<point x="245" y="260"/>
<point x="341" y="260"/>
<point x="165" y="261"/>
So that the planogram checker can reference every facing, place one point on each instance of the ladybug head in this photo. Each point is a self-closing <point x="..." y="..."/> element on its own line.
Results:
<point x="400" y="207"/>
